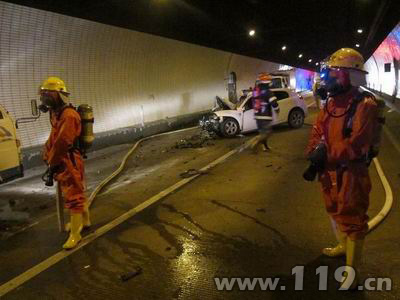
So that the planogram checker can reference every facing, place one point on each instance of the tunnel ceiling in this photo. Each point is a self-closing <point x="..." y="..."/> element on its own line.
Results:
<point x="312" y="28"/>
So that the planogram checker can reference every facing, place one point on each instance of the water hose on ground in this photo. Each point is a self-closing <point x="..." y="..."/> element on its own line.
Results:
<point x="124" y="160"/>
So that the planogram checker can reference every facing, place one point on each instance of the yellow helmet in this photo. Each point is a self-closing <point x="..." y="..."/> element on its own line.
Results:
<point x="346" y="58"/>
<point x="54" y="84"/>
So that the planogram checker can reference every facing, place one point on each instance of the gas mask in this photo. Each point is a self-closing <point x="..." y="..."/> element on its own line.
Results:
<point x="47" y="102"/>
<point x="333" y="85"/>
<point x="44" y="108"/>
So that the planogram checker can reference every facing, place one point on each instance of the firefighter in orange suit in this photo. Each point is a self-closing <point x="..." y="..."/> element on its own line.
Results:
<point x="345" y="130"/>
<point x="63" y="158"/>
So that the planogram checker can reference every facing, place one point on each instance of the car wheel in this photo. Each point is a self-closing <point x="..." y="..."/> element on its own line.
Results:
<point x="230" y="127"/>
<point x="296" y="118"/>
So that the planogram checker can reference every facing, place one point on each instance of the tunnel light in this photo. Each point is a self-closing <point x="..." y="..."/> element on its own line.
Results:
<point x="310" y="60"/>
<point x="252" y="32"/>
<point x="360" y="30"/>
<point x="300" y="55"/>
<point x="358" y="45"/>
<point x="316" y="64"/>
<point x="283" y="48"/>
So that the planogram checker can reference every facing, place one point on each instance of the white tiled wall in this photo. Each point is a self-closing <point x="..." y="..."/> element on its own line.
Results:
<point x="388" y="52"/>
<point x="127" y="76"/>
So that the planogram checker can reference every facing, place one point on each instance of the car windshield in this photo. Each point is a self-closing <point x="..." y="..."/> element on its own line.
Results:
<point x="276" y="83"/>
<point x="243" y="99"/>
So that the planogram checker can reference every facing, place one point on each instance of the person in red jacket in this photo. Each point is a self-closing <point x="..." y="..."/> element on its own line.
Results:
<point x="63" y="158"/>
<point x="345" y="130"/>
<point x="264" y="104"/>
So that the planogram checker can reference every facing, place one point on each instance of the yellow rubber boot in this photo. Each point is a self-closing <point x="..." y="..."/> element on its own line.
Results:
<point x="85" y="219"/>
<point x="353" y="259"/>
<point x="340" y="249"/>
<point x="75" y="233"/>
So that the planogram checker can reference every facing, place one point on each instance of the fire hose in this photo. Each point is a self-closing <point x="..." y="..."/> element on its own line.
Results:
<point x="124" y="160"/>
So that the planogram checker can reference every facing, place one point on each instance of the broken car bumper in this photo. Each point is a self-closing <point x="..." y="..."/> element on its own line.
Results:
<point x="210" y="123"/>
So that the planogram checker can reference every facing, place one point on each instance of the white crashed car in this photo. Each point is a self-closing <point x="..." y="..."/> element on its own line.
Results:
<point x="239" y="118"/>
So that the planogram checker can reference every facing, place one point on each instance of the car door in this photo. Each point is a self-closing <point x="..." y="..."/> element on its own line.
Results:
<point x="285" y="104"/>
<point x="9" y="153"/>
<point x="249" y="123"/>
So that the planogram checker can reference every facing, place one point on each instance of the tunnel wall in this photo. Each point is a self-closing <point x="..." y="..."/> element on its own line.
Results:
<point x="388" y="52"/>
<point x="130" y="78"/>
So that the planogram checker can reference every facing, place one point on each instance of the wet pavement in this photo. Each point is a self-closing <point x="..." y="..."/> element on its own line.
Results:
<point x="251" y="216"/>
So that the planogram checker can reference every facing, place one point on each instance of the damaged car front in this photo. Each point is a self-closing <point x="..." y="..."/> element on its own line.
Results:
<point x="211" y="123"/>
<point x="225" y="119"/>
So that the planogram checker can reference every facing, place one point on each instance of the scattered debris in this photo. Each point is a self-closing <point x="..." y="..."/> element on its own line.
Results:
<point x="191" y="172"/>
<point x="168" y="249"/>
<point x="196" y="141"/>
<point x="261" y="210"/>
<point x="268" y="166"/>
<point x="130" y="275"/>
<point x="86" y="267"/>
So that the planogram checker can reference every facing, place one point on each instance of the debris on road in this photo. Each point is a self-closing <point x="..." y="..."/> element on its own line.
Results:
<point x="130" y="275"/>
<point x="268" y="166"/>
<point x="191" y="172"/>
<point x="200" y="140"/>
<point x="261" y="210"/>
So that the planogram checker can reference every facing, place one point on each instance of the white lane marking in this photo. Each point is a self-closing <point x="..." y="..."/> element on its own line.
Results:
<point x="52" y="260"/>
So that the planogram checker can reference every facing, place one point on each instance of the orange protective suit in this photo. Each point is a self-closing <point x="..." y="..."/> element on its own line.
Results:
<point x="59" y="150"/>
<point x="345" y="181"/>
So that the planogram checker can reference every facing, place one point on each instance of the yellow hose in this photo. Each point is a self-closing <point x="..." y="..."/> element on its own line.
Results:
<point x="123" y="163"/>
